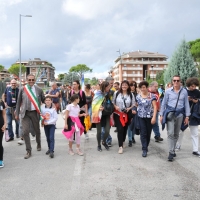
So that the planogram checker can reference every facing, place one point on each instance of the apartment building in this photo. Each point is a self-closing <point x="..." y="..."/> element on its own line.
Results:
<point x="42" y="69"/>
<point x="138" y="65"/>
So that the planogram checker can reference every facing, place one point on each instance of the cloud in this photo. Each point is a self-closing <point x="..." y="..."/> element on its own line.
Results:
<point x="6" y="52"/>
<point x="88" y="9"/>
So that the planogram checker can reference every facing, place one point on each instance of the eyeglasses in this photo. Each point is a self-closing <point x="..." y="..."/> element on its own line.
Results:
<point x="176" y="80"/>
<point x="31" y="80"/>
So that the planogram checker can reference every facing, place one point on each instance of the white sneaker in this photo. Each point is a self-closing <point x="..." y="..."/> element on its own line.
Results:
<point x="86" y="136"/>
<point x="178" y="148"/>
<point x="20" y="142"/>
<point x="32" y="137"/>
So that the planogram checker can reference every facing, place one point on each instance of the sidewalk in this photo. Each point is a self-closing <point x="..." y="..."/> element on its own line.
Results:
<point x="99" y="175"/>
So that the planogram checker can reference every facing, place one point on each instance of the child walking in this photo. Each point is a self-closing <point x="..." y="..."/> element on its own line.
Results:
<point x="73" y="124"/>
<point x="50" y="115"/>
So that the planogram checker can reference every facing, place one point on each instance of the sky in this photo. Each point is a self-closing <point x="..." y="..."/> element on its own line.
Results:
<point x="71" y="32"/>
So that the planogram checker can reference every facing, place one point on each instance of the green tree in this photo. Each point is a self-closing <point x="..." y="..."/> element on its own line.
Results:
<point x="1" y="67"/>
<point x="181" y="63"/>
<point x="94" y="81"/>
<point x="195" y="49"/>
<point x="70" y="77"/>
<point x="87" y="81"/>
<point x="80" y="69"/>
<point x="160" y="77"/>
<point x="14" y="69"/>
<point x="61" y="77"/>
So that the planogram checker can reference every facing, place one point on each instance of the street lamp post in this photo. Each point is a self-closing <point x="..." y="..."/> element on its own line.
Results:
<point x="120" y="59"/>
<point x="152" y="71"/>
<point x="20" y="65"/>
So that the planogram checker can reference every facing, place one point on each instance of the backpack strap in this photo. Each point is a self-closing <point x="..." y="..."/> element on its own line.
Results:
<point x="81" y="93"/>
<point x="116" y="96"/>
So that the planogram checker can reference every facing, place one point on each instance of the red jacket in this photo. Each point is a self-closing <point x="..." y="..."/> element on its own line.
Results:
<point x="157" y="99"/>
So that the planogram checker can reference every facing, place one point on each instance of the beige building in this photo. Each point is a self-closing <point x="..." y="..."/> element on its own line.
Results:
<point x="4" y="74"/>
<point x="42" y="69"/>
<point x="138" y="65"/>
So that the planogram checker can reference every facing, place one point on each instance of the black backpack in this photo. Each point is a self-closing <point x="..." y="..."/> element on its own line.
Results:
<point x="108" y="106"/>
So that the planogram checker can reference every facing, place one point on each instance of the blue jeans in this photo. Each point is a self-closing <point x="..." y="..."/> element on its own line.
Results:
<point x="130" y="134"/>
<point x="156" y="127"/>
<point x="50" y="132"/>
<point x="109" y="138"/>
<point x="64" y="103"/>
<point x="9" y="122"/>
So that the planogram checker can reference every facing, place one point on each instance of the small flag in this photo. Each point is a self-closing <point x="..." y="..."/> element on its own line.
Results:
<point x="82" y="82"/>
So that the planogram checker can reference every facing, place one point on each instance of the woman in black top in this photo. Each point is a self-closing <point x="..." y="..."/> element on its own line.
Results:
<point x="82" y="103"/>
<point x="133" y="86"/>
<point x="89" y="96"/>
<point x="2" y="127"/>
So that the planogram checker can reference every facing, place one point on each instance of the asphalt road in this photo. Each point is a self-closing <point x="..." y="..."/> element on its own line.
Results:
<point x="99" y="175"/>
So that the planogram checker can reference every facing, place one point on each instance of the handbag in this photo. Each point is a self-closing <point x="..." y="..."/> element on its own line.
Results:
<point x="129" y="113"/>
<point x="108" y="107"/>
<point x="170" y="115"/>
<point x="7" y="137"/>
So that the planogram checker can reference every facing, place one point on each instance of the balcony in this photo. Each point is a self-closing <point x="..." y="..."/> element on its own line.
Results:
<point x="132" y="75"/>
<point x="131" y="68"/>
<point x="152" y="75"/>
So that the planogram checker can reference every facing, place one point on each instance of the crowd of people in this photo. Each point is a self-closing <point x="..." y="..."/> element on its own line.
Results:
<point x="130" y="107"/>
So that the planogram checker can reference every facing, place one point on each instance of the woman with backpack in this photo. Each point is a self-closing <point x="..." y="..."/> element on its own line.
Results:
<point x="123" y="101"/>
<point x="102" y="108"/>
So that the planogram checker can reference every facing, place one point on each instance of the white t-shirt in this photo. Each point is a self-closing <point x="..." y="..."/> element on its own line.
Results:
<point x="73" y="110"/>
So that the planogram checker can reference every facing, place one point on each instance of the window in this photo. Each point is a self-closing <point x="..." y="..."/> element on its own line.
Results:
<point x="124" y="65"/>
<point x="138" y="65"/>
<point x="133" y="72"/>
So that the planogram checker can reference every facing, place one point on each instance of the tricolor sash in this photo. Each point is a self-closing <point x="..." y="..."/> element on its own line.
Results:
<point x="33" y="100"/>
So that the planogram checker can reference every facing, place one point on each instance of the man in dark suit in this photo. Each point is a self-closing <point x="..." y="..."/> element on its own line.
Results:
<point x="29" y="113"/>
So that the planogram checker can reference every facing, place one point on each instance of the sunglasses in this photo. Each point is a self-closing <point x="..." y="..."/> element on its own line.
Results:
<point x="31" y="80"/>
<point x="176" y="80"/>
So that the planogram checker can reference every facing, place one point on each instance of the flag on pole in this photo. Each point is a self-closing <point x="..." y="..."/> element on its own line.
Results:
<point x="82" y="82"/>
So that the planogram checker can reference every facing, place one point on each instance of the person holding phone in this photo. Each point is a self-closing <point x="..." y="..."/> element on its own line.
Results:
<point x="194" y="98"/>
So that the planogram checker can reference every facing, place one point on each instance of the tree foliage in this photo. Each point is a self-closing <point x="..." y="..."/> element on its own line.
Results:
<point x="181" y="63"/>
<point x="70" y="77"/>
<point x="14" y="69"/>
<point x="195" y="49"/>
<point x="80" y="69"/>
<point x="61" y="77"/>
<point x="1" y="67"/>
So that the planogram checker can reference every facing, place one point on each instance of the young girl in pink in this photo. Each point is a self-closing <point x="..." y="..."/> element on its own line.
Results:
<point x="73" y="124"/>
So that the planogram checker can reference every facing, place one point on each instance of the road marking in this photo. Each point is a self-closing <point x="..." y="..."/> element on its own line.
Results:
<point x="77" y="172"/>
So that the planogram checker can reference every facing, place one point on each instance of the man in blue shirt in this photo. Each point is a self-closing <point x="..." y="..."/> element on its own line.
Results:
<point x="11" y="94"/>
<point x="174" y="107"/>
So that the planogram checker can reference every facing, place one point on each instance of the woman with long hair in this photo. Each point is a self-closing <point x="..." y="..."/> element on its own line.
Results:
<point x="123" y="101"/>
<point x="146" y="112"/>
<point x="98" y="117"/>
<point x="82" y="102"/>
<point x="89" y="96"/>
<point x="133" y="86"/>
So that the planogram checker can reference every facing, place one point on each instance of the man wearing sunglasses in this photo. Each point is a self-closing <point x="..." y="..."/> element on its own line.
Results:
<point x="174" y="109"/>
<point x="28" y="111"/>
